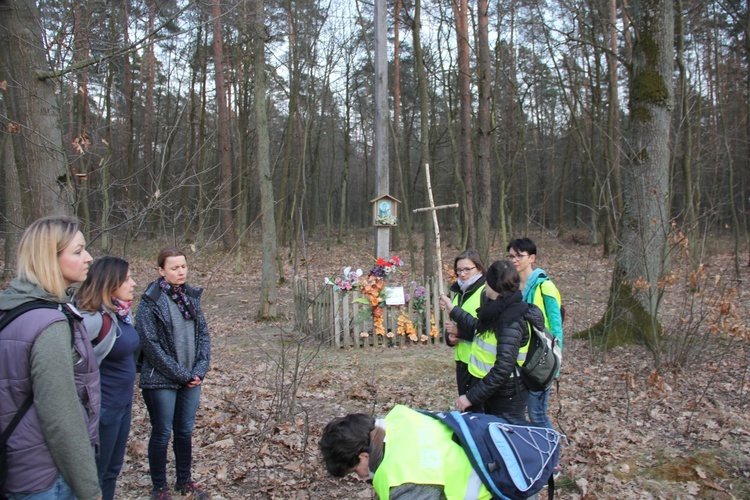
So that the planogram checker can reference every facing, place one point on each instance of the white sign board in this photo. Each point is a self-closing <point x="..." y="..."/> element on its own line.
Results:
<point x="394" y="296"/>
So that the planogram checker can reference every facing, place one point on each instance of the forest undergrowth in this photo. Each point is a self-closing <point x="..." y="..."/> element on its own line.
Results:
<point x="631" y="432"/>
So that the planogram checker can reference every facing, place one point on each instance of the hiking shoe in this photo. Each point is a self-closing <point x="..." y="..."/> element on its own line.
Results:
<point x="190" y="489"/>
<point x="161" y="494"/>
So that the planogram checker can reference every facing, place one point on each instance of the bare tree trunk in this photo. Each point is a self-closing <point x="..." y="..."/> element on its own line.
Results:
<point x="424" y="107"/>
<point x="466" y="151"/>
<point x="484" y="171"/>
<point x="13" y="215"/>
<point x="133" y="192"/>
<point x="148" y="78"/>
<point x="225" y="157"/>
<point x="79" y="127"/>
<point x="685" y="130"/>
<point x="343" y="212"/>
<point x="267" y="307"/>
<point x="613" y="197"/>
<point x="640" y="262"/>
<point x="43" y="175"/>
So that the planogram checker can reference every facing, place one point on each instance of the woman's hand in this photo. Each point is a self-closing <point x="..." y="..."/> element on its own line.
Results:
<point x="446" y="304"/>
<point x="194" y="383"/>
<point x="463" y="403"/>
<point x="452" y="330"/>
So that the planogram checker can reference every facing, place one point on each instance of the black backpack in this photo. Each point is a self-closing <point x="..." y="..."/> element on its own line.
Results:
<point x="6" y="319"/>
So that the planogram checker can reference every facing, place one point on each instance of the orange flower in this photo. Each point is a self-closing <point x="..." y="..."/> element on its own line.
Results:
<point x="377" y="312"/>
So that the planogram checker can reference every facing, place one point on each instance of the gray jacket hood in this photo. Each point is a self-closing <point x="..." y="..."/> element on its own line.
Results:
<point x="20" y="291"/>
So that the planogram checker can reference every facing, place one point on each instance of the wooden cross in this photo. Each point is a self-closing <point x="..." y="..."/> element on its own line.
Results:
<point x="432" y="208"/>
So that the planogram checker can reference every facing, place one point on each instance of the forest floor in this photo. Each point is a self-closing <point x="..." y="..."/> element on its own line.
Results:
<point x="631" y="433"/>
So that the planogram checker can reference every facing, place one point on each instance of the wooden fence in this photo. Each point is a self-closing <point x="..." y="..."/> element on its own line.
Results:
<point x="338" y="320"/>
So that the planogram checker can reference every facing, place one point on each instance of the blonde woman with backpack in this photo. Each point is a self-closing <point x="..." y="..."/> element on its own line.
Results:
<point x="47" y="360"/>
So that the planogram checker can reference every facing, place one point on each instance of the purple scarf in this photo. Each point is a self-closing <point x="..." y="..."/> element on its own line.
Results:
<point x="177" y="294"/>
<point x="122" y="308"/>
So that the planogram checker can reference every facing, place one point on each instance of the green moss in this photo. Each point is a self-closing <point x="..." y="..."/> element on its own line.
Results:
<point x="630" y="324"/>
<point x="640" y="113"/>
<point x="649" y="86"/>
<point x="683" y="469"/>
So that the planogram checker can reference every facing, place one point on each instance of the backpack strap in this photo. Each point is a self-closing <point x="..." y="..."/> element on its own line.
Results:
<point x="106" y="325"/>
<point x="12" y="314"/>
<point x="551" y="487"/>
<point x="16" y="419"/>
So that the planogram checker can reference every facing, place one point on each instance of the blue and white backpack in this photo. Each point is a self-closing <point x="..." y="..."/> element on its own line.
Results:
<point x="513" y="461"/>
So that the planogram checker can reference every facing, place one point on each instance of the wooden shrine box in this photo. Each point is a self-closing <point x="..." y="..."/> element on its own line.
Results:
<point x="385" y="211"/>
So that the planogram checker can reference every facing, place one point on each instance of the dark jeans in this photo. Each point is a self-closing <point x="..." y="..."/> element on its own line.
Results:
<point x="463" y="377"/>
<point x="168" y="409"/>
<point x="512" y="409"/>
<point x="114" y="427"/>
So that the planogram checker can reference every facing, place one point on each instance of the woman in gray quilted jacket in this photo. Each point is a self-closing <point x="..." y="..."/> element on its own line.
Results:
<point x="176" y="353"/>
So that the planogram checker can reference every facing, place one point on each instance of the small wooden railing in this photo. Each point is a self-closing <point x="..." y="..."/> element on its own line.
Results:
<point x="338" y="320"/>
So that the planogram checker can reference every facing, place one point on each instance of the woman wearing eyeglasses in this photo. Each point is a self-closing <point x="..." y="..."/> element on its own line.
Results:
<point x="500" y="343"/>
<point x="539" y="290"/>
<point x="467" y="293"/>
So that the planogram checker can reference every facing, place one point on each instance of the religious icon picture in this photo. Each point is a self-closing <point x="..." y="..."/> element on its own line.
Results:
<point x="385" y="211"/>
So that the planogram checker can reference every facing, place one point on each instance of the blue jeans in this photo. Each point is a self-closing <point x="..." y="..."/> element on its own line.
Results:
<point x="59" y="491"/>
<point x="168" y="409"/>
<point x="114" y="427"/>
<point x="538" y="406"/>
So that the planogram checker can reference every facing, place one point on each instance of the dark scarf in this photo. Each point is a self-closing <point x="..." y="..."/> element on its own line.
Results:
<point x="122" y="308"/>
<point x="177" y="294"/>
<point x="491" y="311"/>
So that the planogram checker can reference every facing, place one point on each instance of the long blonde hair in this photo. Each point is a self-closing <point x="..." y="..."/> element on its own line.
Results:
<point x="39" y="248"/>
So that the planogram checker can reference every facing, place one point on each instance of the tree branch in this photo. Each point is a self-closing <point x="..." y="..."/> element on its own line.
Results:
<point x="44" y="75"/>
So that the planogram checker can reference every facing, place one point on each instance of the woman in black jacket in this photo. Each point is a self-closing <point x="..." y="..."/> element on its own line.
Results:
<point x="176" y="349"/>
<point x="499" y="346"/>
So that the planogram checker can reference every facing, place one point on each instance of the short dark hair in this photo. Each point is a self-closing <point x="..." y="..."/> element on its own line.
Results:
<point x="166" y="253"/>
<point x="503" y="278"/>
<point x="473" y="256"/>
<point x="344" y="438"/>
<point x="522" y="245"/>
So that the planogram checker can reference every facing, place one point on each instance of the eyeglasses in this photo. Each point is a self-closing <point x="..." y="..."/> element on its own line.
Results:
<point x="514" y="256"/>
<point x="466" y="270"/>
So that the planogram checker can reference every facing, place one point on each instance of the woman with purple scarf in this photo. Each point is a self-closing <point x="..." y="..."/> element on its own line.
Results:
<point x="104" y="300"/>
<point x="176" y="352"/>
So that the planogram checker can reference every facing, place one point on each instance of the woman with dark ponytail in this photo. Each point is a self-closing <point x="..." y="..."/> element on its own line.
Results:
<point x="499" y="347"/>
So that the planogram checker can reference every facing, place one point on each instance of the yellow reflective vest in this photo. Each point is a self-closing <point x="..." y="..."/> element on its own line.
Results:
<point x="420" y="450"/>
<point x="470" y="305"/>
<point x="484" y="353"/>
<point x="551" y="291"/>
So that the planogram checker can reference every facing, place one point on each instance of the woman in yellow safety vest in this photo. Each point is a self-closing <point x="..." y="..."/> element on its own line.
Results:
<point x="539" y="290"/>
<point x="467" y="293"/>
<point x="499" y="346"/>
